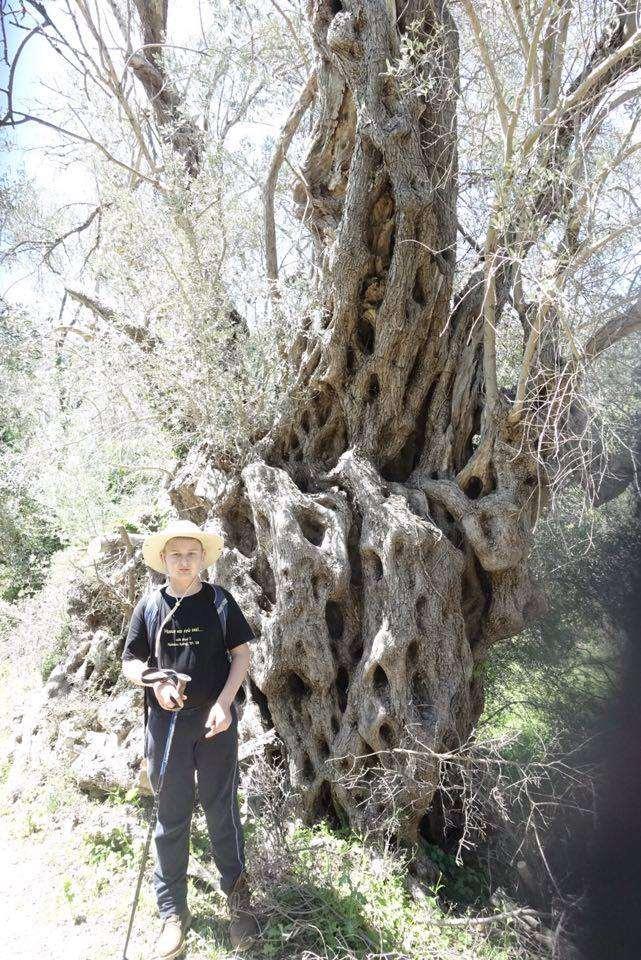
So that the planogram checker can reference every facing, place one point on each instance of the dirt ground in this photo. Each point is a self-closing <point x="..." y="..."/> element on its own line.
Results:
<point x="57" y="906"/>
<point x="36" y="925"/>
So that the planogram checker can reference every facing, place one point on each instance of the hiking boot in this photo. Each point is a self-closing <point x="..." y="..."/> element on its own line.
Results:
<point x="243" y="927"/>
<point x="173" y="935"/>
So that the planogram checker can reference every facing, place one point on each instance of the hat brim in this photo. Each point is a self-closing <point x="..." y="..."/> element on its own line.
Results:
<point x="152" y="547"/>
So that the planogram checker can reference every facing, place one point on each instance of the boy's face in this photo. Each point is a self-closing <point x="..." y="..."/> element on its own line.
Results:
<point x="183" y="558"/>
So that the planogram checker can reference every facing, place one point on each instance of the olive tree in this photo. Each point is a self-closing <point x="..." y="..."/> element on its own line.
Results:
<point x="467" y="192"/>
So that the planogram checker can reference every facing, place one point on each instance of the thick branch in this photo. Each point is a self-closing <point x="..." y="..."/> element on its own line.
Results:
<point x="286" y="135"/>
<point x="622" y="60"/>
<point x="614" y="330"/>
<point x="166" y="101"/>
<point x="138" y="334"/>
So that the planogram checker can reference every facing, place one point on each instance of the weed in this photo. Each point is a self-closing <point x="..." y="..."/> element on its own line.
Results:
<point x="104" y="846"/>
<point x="200" y="843"/>
<point x="32" y="825"/>
<point x="119" y="797"/>
<point x="67" y="889"/>
<point x="460" y="884"/>
<point x="5" y="767"/>
<point x="54" y="654"/>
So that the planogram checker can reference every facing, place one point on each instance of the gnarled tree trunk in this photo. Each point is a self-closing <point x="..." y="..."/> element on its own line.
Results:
<point x="378" y="581"/>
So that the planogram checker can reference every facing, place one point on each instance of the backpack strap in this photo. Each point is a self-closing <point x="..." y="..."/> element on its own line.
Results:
<point x="151" y="614"/>
<point x="221" y="606"/>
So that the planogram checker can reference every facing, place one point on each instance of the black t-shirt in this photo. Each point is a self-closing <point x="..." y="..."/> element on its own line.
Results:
<point x="191" y="642"/>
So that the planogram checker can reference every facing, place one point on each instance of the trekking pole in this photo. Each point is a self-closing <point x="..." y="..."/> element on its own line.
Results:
<point x="180" y="680"/>
<point x="147" y="678"/>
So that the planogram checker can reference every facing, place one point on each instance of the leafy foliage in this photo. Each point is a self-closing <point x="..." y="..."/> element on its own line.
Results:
<point x="555" y="679"/>
<point x="28" y="535"/>
<point x="117" y="843"/>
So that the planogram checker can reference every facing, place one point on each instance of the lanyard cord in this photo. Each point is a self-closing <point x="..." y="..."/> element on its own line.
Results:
<point x="169" y="617"/>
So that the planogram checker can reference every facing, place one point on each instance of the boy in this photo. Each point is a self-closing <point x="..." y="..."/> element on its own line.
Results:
<point x="205" y="739"/>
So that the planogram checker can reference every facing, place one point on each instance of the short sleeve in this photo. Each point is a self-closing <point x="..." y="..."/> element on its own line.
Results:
<point x="136" y="644"/>
<point x="238" y="630"/>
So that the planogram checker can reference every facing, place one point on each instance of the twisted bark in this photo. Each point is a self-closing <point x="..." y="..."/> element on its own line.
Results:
<point x="378" y="546"/>
<point x="149" y="67"/>
<point x="375" y="581"/>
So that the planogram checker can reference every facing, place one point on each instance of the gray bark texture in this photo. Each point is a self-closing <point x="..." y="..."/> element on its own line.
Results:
<point x="149" y="67"/>
<point x="379" y="539"/>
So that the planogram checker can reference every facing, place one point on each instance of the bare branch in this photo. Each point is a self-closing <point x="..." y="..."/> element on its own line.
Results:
<point x="139" y="335"/>
<point x="488" y="61"/>
<point x="14" y="63"/>
<point x="290" y="127"/>
<point x="292" y="30"/>
<point x="614" y="330"/>
<point x="74" y="230"/>
<point x="90" y="140"/>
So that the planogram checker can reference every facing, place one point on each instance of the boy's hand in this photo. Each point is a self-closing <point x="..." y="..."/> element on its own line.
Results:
<point x="168" y="695"/>
<point x="218" y="720"/>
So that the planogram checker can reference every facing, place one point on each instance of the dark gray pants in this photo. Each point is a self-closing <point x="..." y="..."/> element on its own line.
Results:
<point x="215" y="762"/>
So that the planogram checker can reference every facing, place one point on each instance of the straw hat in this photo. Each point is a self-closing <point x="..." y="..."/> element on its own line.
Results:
<point x="155" y="542"/>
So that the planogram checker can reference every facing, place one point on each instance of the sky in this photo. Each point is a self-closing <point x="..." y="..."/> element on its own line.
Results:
<point x="40" y="71"/>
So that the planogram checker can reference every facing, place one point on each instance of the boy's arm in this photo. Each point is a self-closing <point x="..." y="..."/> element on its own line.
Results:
<point x="239" y="636"/>
<point x="132" y="670"/>
<point x="237" y="671"/>
<point x="136" y="651"/>
<point x="167" y="694"/>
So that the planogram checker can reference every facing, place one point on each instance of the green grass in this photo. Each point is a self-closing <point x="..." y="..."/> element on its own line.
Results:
<point x="335" y="897"/>
<point x="319" y="892"/>
<point x="342" y="898"/>
<point x="458" y="884"/>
